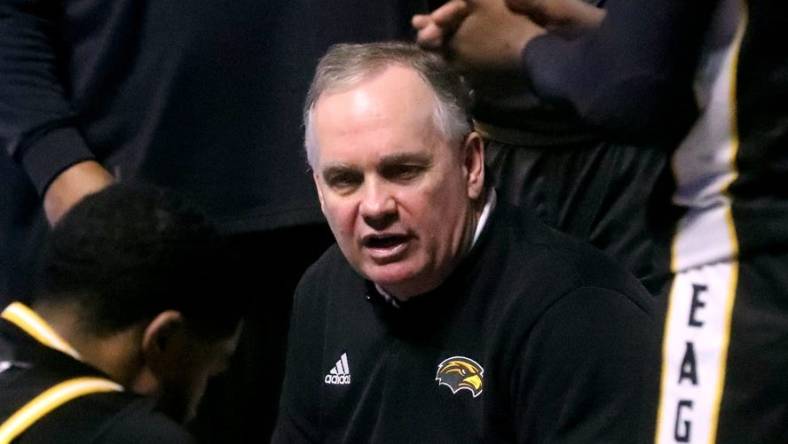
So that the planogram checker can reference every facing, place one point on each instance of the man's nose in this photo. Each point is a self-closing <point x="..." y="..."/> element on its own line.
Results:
<point x="378" y="206"/>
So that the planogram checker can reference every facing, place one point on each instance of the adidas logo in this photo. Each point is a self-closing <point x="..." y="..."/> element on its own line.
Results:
<point x="340" y="374"/>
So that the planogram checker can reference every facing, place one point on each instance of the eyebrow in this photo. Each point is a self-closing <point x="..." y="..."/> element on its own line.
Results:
<point x="400" y="158"/>
<point x="338" y="168"/>
<point x="387" y="161"/>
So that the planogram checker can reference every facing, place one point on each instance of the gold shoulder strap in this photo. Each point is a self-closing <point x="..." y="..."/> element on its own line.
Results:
<point x="51" y="399"/>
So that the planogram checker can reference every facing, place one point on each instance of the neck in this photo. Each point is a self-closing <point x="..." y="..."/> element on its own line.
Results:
<point x="114" y="353"/>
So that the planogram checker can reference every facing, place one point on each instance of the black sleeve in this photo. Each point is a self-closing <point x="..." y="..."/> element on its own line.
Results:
<point x="588" y="372"/>
<point x="299" y="403"/>
<point x="633" y="75"/>
<point x="36" y="119"/>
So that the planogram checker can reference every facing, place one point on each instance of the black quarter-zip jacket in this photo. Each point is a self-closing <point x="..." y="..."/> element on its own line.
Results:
<point x="558" y="344"/>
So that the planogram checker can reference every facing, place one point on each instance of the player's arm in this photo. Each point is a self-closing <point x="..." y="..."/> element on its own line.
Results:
<point x="566" y="17"/>
<point x="632" y="75"/>
<point x="38" y="128"/>
<point x="479" y="36"/>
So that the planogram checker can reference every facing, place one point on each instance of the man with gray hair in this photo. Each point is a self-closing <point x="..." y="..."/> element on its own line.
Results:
<point x="441" y="316"/>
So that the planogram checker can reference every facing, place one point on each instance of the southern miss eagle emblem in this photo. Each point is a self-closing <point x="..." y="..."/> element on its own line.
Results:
<point x="461" y="373"/>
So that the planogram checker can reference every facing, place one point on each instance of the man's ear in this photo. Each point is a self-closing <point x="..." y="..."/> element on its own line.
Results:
<point x="473" y="164"/>
<point x="163" y="342"/>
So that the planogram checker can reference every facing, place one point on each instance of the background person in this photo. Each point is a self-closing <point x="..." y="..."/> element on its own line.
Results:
<point x="127" y="306"/>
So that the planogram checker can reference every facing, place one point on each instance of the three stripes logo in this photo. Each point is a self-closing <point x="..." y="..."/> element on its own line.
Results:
<point x="340" y="374"/>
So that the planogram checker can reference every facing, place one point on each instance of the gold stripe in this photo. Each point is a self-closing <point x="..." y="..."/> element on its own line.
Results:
<point x="734" y="281"/>
<point x="26" y="319"/>
<point x="734" y="242"/>
<point x="51" y="399"/>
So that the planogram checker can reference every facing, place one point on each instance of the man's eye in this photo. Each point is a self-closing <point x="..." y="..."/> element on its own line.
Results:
<point x="343" y="181"/>
<point x="404" y="172"/>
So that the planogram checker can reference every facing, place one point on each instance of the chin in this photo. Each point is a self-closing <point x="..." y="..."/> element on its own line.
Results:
<point x="400" y="280"/>
<point x="389" y="274"/>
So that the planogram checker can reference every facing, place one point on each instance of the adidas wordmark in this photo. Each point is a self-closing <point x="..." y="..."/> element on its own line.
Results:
<point x="340" y="374"/>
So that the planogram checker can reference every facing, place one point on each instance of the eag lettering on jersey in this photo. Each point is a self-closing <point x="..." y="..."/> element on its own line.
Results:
<point x="695" y="349"/>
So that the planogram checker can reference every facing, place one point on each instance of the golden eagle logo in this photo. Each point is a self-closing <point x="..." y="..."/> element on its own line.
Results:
<point x="461" y="373"/>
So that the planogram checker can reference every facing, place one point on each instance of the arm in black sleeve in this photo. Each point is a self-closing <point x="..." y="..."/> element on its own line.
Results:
<point x="588" y="372"/>
<point x="36" y="119"/>
<point x="631" y="76"/>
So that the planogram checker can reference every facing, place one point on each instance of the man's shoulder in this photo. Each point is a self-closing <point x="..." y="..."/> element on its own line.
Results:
<point x="540" y="260"/>
<point x="331" y="266"/>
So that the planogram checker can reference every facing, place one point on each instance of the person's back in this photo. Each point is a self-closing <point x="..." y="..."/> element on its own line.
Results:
<point x="121" y="337"/>
<point x="29" y="368"/>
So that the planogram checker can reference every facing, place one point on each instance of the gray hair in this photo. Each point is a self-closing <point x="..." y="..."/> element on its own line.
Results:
<point x="346" y="65"/>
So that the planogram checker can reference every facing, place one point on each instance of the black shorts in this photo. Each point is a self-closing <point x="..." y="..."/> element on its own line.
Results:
<point x="725" y="353"/>
<point x="595" y="191"/>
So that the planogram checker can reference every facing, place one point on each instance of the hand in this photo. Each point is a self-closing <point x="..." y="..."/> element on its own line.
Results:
<point x="70" y="186"/>
<point x="435" y="29"/>
<point x="479" y="36"/>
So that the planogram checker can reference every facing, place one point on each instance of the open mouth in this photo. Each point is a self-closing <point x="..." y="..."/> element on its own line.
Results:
<point x="384" y="241"/>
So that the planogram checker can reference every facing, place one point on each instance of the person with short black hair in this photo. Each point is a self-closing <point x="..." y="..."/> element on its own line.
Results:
<point x="126" y="306"/>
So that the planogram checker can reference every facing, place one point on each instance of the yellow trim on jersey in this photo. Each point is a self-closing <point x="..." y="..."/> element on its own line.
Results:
<point x="734" y="243"/>
<point x="23" y="317"/>
<point x="734" y="281"/>
<point x="51" y="399"/>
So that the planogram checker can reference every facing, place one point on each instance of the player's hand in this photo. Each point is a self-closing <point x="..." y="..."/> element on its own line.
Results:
<point x="70" y="186"/>
<point x="436" y="28"/>
<point x="478" y="36"/>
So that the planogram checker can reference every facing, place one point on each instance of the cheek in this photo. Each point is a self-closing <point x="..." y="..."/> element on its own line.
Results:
<point x="340" y="218"/>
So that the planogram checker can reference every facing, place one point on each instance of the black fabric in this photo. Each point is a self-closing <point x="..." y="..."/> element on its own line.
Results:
<point x="94" y="418"/>
<point x="595" y="191"/>
<point x="240" y="405"/>
<point x="760" y="194"/>
<point x="755" y="400"/>
<point x="566" y="339"/>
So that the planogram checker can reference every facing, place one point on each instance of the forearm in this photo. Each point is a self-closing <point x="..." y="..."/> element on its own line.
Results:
<point x="570" y="17"/>
<point x="38" y="123"/>
<point x="632" y="75"/>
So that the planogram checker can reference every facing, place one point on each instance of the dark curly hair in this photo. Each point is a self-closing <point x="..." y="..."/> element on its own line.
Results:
<point x="131" y="251"/>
